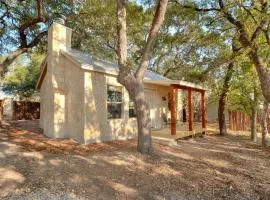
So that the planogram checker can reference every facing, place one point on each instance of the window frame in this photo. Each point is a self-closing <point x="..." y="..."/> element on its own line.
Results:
<point x="120" y="102"/>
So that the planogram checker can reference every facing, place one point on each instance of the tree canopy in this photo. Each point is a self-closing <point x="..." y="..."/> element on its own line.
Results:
<point x="24" y="25"/>
<point x="21" y="80"/>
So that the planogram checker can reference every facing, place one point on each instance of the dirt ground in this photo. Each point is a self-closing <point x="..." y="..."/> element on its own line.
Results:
<point x="35" y="167"/>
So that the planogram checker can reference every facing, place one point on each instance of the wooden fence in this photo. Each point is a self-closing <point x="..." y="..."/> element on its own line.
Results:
<point x="26" y="110"/>
<point x="239" y="121"/>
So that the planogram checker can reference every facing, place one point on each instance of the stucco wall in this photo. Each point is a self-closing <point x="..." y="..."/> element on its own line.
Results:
<point x="62" y="106"/>
<point x="212" y="112"/>
<point x="97" y="126"/>
<point x="74" y="101"/>
<point x="160" y="107"/>
<point x="46" y="106"/>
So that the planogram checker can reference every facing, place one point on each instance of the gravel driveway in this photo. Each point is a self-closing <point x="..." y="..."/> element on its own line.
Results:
<point x="35" y="167"/>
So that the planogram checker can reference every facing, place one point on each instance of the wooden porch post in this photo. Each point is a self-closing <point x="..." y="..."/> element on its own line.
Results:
<point x="190" y="111"/>
<point x="173" y="111"/>
<point x="203" y="111"/>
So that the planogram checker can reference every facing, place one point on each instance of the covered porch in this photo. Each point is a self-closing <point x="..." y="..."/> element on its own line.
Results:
<point x="181" y="131"/>
<point x="177" y="129"/>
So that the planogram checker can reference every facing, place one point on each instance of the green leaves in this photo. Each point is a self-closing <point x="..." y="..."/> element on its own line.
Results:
<point x="22" y="78"/>
<point x="94" y="29"/>
<point x="245" y="92"/>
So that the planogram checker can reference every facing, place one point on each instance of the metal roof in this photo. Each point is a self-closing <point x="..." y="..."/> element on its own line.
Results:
<point x="92" y="63"/>
<point x="89" y="62"/>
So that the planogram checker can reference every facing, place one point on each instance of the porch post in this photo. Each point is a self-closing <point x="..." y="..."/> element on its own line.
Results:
<point x="173" y="111"/>
<point x="203" y="108"/>
<point x="190" y="111"/>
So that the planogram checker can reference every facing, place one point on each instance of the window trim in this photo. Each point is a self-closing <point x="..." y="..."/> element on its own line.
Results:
<point x="122" y="101"/>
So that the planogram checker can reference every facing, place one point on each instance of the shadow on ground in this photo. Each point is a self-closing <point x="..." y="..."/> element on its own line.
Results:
<point x="35" y="167"/>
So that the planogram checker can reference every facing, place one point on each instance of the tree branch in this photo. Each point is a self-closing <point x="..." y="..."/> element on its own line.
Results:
<point x="15" y="54"/>
<point x="196" y="8"/>
<point x="258" y="31"/>
<point x="267" y="37"/>
<point x="36" y="40"/>
<point x="31" y="22"/>
<point x="10" y="58"/>
<point x="156" y="24"/>
<point x="38" y="19"/>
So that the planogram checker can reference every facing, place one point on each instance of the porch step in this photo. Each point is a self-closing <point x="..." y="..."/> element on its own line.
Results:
<point x="165" y="141"/>
<point x="191" y="136"/>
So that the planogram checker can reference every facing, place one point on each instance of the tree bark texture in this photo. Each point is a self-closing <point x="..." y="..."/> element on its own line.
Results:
<point x="1" y="112"/>
<point x="134" y="82"/>
<point x="254" y="124"/>
<point x="222" y="100"/>
<point x="263" y="72"/>
<point x="264" y="124"/>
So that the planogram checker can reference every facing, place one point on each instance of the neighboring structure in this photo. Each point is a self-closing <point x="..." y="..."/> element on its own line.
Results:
<point x="81" y="98"/>
<point x="8" y="108"/>
<point x="20" y="110"/>
<point x="212" y="112"/>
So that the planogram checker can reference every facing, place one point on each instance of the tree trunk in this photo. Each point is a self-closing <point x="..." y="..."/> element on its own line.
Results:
<point x="222" y="100"/>
<point x="134" y="82"/>
<point x="264" y="123"/>
<point x="1" y="112"/>
<point x="263" y="72"/>
<point x="254" y="124"/>
<point x="143" y="121"/>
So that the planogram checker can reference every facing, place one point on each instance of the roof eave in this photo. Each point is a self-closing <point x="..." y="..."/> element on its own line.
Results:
<point x="43" y="73"/>
<point x="175" y="83"/>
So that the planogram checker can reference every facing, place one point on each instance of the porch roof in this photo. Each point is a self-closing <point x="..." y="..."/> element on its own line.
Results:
<point x="177" y="84"/>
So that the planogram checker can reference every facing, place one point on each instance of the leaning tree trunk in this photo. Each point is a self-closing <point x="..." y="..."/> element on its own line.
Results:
<point x="222" y="100"/>
<point x="263" y="72"/>
<point x="254" y="124"/>
<point x="1" y="112"/>
<point x="264" y="123"/>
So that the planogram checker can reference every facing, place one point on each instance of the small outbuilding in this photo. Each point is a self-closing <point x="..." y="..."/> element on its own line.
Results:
<point x="81" y="98"/>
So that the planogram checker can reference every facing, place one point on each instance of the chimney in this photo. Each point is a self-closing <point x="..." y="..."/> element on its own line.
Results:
<point x="59" y="37"/>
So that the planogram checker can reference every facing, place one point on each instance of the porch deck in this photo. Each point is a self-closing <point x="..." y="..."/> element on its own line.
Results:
<point x="181" y="131"/>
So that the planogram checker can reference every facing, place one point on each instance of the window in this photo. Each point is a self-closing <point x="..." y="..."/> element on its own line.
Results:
<point x="114" y="101"/>
<point x="131" y="110"/>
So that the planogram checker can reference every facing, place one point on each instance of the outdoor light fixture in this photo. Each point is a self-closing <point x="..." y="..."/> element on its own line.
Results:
<point x="163" y="98"/>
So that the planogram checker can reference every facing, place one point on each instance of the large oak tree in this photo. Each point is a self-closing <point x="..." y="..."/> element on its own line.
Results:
<point x="133" y="80"/>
